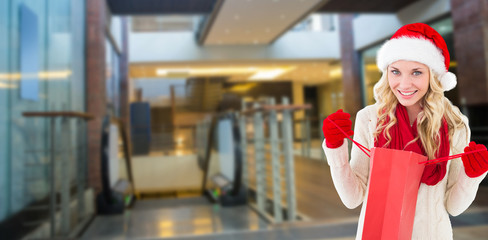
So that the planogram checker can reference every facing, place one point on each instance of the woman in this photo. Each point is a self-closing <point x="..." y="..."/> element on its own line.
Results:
<point x="411" y="114"/>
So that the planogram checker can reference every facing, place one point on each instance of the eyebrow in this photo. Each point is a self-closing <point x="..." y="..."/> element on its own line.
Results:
<point x="414" y="69"/>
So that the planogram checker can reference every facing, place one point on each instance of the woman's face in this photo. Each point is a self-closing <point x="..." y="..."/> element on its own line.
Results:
<point x="409" y="81"/>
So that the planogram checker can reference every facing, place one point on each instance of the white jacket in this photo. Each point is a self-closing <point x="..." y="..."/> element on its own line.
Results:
<point x="453" y="194"/>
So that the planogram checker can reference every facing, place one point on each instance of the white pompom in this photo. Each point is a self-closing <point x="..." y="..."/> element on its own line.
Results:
<point x="448" y="81"/>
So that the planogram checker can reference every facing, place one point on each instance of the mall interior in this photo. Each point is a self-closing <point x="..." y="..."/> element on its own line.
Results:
<point x="201" y="119"/>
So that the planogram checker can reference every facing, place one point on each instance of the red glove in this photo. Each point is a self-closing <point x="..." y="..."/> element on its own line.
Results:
<point x="333" y="136"/>
<point x="475" y="164"/>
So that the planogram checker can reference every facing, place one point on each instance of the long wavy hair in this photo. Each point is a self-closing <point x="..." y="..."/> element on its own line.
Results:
<point x="435" y="108"/>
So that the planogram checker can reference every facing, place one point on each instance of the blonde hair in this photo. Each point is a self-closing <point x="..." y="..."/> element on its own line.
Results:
<point x="435" y="108"/>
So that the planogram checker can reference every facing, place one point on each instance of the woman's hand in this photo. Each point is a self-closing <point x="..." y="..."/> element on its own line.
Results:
<point x="334" y="138"/>
<point x="475" y="164"/>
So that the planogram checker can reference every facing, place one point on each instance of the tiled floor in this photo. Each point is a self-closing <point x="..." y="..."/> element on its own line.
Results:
<point x="170" y="218"/>
<point x="196" y="218"/>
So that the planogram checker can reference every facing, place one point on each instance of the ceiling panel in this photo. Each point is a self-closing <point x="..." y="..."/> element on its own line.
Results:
<point x="168" y="23"/>
<point x="237" y="22"/>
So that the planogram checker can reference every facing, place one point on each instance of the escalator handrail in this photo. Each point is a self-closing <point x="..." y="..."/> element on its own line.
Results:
<point x="236" y="183"/>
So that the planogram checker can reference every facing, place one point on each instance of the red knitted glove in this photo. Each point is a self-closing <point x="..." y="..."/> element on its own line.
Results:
<point x="333" y="136"/>
<point x="475" y="164"/>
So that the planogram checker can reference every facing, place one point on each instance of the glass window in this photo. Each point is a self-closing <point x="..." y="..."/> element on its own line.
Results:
<point x="371" y="73"/>
<point x="112" y="78"/>
<point x="5" y="86"/>
<point x="24" y="142"/>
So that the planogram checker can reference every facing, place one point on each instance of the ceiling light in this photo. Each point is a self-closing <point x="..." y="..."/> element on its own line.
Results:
<point x="161" y="72"/>
<point x="204" y="71"/>
<point x="267" y="74"/>
<point x="336" y="72"/>
<point x="175" y="72"/>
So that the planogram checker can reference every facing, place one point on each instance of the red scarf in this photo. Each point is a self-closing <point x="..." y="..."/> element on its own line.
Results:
<point x="402" y="133"/>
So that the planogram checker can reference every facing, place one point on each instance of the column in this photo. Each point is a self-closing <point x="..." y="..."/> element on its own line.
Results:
<point x="350" y="66"/>
<point x="95" y="86"/>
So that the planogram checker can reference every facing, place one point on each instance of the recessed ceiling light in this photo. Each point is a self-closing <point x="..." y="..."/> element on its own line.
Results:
<point x="267" y="74"/>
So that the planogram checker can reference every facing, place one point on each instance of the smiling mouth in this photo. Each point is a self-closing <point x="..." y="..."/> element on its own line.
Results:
<point x="407" y="93"/>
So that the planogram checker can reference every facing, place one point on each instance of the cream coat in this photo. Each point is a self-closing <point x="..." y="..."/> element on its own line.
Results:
<point x="453" y="194"/>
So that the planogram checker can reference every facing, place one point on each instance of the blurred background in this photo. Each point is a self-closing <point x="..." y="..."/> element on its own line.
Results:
<point x="201" y="119"/>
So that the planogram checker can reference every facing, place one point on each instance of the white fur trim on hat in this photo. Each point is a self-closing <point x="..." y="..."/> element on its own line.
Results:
<point x="418" y="50"/>
<point x="448" y="81"/>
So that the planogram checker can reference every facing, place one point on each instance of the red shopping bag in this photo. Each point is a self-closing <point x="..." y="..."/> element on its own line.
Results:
<point x="394" y="182"/>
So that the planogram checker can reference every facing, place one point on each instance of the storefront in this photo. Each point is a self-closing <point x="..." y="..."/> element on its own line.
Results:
<point x="42" y="66"/>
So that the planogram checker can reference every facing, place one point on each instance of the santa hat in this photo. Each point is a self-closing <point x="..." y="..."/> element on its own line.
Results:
<point x="420" y="43"/>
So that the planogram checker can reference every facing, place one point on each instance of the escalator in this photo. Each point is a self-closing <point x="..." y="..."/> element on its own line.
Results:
<point x="221" y="209"/>
<point x="227" y="188"/>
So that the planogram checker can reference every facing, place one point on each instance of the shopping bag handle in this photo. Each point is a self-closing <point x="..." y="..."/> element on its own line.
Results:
<point x="444" y="159"/>
<point x="363" y="148"/>
<point x="427" y="162"/>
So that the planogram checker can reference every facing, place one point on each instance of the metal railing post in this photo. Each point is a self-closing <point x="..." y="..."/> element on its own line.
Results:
<point x="307" y="134"/>
<point x="287" y="148"/>
<point x="302" y="137"/>
<point x="52" y="181"/>
<point x="259" y="160"/>
<point x="322" y="137"/>
<point x="65" y="176"/>
<point x="242" y="128"/>
<point x="275" y="163"/>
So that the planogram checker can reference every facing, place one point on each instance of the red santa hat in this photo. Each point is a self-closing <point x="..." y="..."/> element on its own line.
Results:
<point x="420" y="43"/>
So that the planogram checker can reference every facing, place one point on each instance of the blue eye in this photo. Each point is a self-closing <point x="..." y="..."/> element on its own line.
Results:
<point x="417" y="73"/>
<point x="395" y="72"/>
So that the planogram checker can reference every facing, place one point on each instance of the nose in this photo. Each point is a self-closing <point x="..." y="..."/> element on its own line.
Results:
<point x="405" y="82"/>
